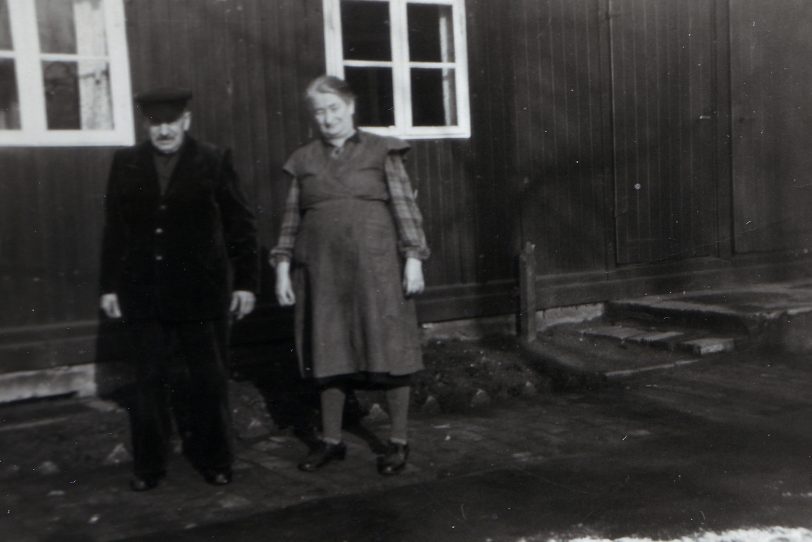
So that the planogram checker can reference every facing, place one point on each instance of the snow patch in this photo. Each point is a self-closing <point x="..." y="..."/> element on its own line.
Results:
<point x="769" y="534"/>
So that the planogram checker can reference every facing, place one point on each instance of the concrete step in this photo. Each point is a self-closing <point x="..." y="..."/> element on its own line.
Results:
<point x="694" y="342"/>
<point x="575" y="359"/>
<point x="670" y="331"/>
<point x="664" y="310"/>
<point x="777" y="315"/>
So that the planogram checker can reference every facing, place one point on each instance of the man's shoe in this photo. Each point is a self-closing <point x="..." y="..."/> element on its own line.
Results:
<point x="323" y="454"/>
<point x="144" y="483"/>
<point x="394" y="459"/>
<point x="218" y="477"/>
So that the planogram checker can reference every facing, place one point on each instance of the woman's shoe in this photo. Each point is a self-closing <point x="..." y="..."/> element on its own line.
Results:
<point x="394" y="459"/>
<point x="324" y="453"/>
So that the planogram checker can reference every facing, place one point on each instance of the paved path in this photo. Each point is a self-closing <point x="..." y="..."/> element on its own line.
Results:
<point x="714" y="446"/>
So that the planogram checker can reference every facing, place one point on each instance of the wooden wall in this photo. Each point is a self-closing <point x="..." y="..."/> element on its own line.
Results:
<point x="551" y="59"/>
<point x="50" y="223"/>
<point x="561" y="133"/>
<point x="771" y="77"/>
<point x="246" y="62"/>
<point x="664" y="88"/>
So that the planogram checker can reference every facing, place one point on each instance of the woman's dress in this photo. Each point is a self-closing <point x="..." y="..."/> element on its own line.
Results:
<point x="351" y="315"/>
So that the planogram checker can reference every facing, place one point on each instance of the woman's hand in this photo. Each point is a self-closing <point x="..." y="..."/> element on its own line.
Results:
<point x="284" y="287"/>
<point x="413" y="283"/>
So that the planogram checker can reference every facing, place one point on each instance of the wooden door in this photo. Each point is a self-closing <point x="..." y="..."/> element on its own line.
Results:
<point x="663" y="101"/>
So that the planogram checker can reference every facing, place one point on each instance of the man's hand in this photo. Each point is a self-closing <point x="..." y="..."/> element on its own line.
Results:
<point x="109" y="305"/>
<point x="413" y="283"/>
<point x="284" y="289"/>
<point x="242" y="303"/>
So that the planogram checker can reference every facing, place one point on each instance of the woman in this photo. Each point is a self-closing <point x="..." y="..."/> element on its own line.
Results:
<point x="350" y="257"/>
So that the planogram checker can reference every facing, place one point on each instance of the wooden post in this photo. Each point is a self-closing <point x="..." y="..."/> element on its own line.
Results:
<point x="527" y="293"/>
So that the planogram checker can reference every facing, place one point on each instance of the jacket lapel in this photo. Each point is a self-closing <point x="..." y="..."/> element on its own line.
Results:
<point x="145" y="164"/>
<point x="185" y="166"/>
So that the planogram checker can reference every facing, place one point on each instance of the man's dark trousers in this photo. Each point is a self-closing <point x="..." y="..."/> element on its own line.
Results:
<point x="200" y="345"/>
<point x="173" y="256"/>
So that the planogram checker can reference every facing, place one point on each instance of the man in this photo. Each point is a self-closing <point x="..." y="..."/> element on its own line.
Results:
<point x="175" y="220"/>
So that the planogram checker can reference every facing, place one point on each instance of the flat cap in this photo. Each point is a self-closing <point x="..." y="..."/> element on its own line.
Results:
<point x="164" y="104"/>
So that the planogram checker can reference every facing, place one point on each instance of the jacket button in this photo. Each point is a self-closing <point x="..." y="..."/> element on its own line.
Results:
<point x="158" y="257"/>
<point x="159" y="231"/>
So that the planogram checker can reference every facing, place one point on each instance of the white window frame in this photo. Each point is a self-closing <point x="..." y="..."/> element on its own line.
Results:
<point x="30" y="86"/>
<point x="401" y="66"/>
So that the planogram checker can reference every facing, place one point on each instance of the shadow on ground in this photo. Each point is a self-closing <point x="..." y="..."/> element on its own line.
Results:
<point x="269" y="397"/>
<point x="460" y="375"/>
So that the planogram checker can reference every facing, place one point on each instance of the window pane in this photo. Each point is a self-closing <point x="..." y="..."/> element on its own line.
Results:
<point x="365" y="29"/>
<point x="5" y="27"/>
<point x="9" y="100"/>
<point x="434" y="97"/>
<point x="431" y="34"/>
<point x="375" y="105"/>
<point x="95" y="100"/>
<point x="77" y="95"/>
<point x="57" y="33"/>
<point x="71" y="26"/>
<point x="61" y="95"/>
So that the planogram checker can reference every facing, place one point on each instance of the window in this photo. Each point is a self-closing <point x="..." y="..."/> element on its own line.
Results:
<point x="64" y="73"/>
<point x="406" y="61"/>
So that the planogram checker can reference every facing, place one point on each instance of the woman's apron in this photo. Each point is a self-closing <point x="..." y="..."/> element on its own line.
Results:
<point x="351" y="313"/>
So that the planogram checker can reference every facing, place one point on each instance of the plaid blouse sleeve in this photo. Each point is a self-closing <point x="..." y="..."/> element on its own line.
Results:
<point x="283" y="250"/>
<point x="408" y="219"/>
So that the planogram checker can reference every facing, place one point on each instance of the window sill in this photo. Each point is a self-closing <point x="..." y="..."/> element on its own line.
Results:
<point x="13" y="138"/>
<point x="417" y="133"/>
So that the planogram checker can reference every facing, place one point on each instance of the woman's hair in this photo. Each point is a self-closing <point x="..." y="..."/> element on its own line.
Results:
<point x="330" y="84"/>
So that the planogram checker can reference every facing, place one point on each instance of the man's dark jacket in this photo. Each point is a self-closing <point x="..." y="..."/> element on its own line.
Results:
<point x="167" y="255"/>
